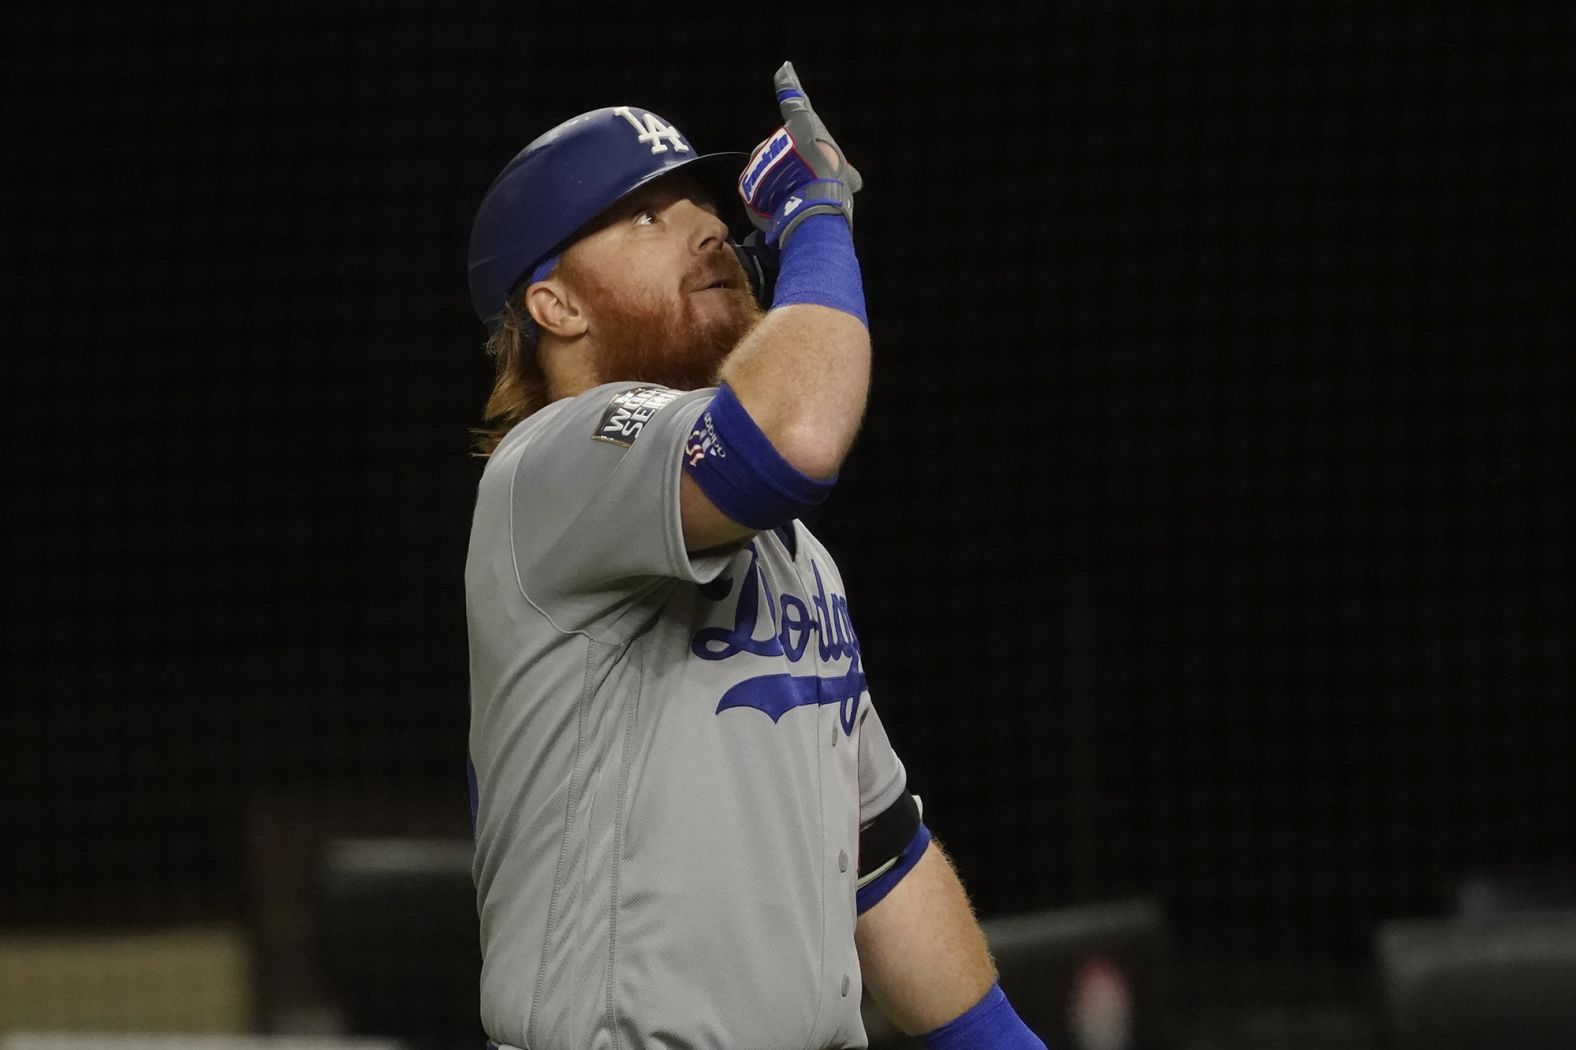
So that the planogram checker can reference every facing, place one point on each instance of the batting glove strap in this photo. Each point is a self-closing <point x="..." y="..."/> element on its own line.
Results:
<point x="821" y="197"/>
<point x="990" y="1024"/>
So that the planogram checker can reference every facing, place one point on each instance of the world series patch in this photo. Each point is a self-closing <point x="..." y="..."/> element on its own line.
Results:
<point x="628" y="412"/>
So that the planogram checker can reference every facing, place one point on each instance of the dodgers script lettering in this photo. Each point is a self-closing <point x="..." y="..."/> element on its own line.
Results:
<point x="791" y="625"/>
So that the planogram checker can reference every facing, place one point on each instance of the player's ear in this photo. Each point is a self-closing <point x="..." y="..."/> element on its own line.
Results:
<point x="553" y="306"/>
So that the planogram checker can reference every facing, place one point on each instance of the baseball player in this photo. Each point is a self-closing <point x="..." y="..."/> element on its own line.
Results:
<point x="691" y="828"/>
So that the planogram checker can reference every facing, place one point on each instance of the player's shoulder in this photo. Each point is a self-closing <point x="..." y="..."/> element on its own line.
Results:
<point x="618" y="412"/>
<point x="505" y="458"/>
<point x="608" y="416"/>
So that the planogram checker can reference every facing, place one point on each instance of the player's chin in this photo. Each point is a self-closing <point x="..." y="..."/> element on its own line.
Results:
<point x="723" y="315"/>
<point x="724" y="306"/>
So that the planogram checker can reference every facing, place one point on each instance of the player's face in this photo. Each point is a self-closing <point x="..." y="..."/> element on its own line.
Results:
<point x="664" y="294"/>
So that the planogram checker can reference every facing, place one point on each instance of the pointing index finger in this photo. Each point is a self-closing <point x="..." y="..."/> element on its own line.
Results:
<point x="791" y="98"/>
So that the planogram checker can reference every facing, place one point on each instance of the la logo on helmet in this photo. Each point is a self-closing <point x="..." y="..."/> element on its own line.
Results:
<point x="650" y="128"/>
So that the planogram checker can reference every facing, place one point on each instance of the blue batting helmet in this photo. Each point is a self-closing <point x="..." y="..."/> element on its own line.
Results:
<point x="566" y="178"/>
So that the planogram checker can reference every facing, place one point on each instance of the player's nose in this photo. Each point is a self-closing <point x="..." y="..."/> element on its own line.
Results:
<point x="707" y="231"/>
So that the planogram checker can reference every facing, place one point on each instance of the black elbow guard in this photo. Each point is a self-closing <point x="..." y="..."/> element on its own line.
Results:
<point x="884" y="838"/>
<point x="889" y="847"/>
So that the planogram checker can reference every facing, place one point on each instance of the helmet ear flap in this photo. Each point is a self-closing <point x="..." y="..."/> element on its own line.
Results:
<point x="759" y="260"/>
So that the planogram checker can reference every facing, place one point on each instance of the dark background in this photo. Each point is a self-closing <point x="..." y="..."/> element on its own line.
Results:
<point x="1209" y="536"/>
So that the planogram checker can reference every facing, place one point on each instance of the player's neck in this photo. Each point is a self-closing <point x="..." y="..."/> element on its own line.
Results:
<point x="570" y="367"/>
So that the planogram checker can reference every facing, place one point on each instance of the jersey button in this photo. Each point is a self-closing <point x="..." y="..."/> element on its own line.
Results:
<point x="845" y="986"/>
<point x="842" y="860"/>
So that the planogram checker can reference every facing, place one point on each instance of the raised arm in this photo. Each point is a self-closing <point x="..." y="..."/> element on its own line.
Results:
<point x="794" y="390"/>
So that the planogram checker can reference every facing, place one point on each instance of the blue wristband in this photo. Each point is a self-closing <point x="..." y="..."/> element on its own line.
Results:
<point x="819" y="267"/>
<point x="990" y="1024"/>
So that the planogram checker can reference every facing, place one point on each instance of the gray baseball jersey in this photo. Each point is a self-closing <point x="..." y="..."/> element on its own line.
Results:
<point x="672" y="752"/>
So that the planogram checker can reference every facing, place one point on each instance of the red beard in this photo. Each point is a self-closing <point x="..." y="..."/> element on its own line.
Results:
<point x="669" y="342"/>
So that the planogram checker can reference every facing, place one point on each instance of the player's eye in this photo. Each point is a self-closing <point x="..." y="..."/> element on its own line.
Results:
<point x="645" y="217"/>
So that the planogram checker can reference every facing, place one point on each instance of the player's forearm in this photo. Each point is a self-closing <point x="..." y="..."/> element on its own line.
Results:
<point x="922" y="952"/>
<point x="803" y="375"/>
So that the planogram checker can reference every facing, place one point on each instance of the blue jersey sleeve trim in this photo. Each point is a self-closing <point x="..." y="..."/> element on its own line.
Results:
<point x="874" y="891"/>
<point x="740" y="471"/>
